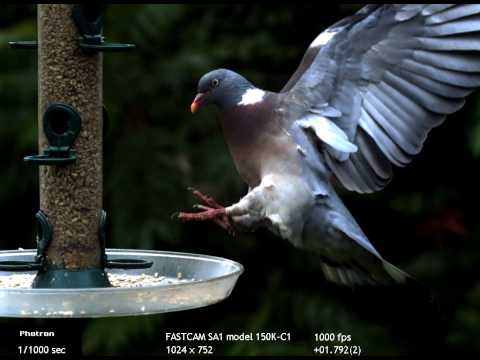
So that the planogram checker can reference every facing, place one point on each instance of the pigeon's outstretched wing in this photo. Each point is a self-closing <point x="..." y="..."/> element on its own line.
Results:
<point x="374" y="84"/>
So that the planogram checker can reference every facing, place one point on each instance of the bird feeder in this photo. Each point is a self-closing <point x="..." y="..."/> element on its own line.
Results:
<point x="71" y="271"/>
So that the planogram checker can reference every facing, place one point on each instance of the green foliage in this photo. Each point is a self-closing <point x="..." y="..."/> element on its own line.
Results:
<point x="474" y="133"/>
<point x="466" y="320"/>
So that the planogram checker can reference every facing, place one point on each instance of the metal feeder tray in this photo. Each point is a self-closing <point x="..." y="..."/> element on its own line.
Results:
<point x="208" y="280"/>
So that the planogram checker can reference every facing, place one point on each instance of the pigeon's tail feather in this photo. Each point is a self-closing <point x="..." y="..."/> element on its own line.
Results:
<point x="395" y="273"/>
<point x="383" y="274"/>
<point x="345" y="276"/>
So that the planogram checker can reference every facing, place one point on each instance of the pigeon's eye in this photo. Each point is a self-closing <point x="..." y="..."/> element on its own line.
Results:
<point x="215" y="82"/>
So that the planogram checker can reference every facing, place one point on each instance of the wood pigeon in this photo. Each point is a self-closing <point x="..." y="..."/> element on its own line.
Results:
<point x="366" y="94"/>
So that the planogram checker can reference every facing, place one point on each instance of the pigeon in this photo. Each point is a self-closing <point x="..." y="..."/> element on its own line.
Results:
<point x="365" y="96"/>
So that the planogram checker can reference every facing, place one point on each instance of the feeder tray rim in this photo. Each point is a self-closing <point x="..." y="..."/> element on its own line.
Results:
<point x="240" y="269"/>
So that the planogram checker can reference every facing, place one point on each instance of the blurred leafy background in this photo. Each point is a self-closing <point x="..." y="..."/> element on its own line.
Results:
<point x="425" y="222"/>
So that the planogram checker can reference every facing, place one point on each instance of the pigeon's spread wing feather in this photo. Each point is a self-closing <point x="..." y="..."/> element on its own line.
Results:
<point x="323" y="39"/>
<point x="385" y="77"/>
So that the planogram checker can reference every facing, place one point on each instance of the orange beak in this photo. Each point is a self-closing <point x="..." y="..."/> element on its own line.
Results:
<point x="197" y="102"/>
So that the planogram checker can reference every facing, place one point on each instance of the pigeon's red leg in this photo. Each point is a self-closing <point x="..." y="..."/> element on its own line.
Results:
<point x="207" y="214"/>
<point x="207" y="200"/>
<point x="212" y="211"/>
<point x="223" y="221"/>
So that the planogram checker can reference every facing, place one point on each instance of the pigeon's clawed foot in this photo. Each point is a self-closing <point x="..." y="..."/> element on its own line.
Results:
<point x="207" y="213"/>
<point x="211" y="210"/>
<point x="207" y="200"/>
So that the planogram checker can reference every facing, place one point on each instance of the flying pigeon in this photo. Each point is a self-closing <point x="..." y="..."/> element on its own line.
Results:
<point x="364" y="97"/>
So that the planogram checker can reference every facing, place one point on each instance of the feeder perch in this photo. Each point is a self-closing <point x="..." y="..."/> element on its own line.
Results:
<point x="71" y="273"/>
<point x="61" y="125"/>
<point x="89" y="21"/>
<point x="27" y="45"/>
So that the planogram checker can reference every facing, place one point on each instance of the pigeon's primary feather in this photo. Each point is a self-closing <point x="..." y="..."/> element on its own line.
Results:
<point x="365" y="96"/>
<point x="394" y="72"/>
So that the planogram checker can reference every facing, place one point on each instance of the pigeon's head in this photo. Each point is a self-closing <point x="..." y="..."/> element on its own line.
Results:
<point x="220" y="87"/>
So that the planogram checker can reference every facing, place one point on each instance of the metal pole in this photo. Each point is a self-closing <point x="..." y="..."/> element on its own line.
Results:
<point x="71" y="195"/>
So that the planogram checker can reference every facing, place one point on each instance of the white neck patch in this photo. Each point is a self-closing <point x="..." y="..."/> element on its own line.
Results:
<point x="252" y="96"/>
<point x="323" y="38"/>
